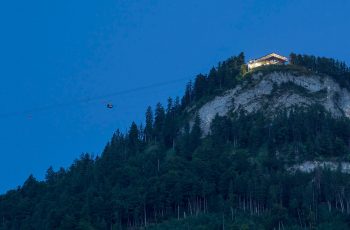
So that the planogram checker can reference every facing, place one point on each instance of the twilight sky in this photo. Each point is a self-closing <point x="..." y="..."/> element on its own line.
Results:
<point x="61" y="52"/>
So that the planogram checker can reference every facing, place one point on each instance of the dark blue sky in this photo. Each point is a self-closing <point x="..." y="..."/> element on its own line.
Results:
<point x="54" y="52"/>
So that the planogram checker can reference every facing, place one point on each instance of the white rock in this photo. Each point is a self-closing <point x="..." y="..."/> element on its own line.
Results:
<point x="310" y="166"/>
<point x="251" y="97"/>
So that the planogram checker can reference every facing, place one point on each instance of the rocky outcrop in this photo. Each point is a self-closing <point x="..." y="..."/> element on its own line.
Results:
<point x="278" y="90"/>
<point x="310" y="166"/>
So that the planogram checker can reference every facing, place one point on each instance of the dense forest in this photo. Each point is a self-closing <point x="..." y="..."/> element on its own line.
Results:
<point x="337" y="69"/>
<point x="166" y="175"/>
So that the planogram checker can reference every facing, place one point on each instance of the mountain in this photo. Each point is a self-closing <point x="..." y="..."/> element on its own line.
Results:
<point x="264" y="149"/>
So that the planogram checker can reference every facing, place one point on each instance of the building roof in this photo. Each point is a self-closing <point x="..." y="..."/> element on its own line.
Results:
<point x="269" y="56"/>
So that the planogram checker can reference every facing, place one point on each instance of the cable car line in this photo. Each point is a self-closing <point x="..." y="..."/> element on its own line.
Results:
<point x="89" y="99"/>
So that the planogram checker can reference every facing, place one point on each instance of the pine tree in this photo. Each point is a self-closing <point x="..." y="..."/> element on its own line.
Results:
<point x="170" y="107"/>
<point x="159" y="120"/>
<point x="188" y="97"/>
<point x="149" y="125"/>
<point x="133" y="137"/>
<point x="200" y="87"/>
<point x="50" y="176"/>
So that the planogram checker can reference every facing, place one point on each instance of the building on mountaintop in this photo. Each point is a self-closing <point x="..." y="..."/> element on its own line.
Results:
<point x="270" y="59"/>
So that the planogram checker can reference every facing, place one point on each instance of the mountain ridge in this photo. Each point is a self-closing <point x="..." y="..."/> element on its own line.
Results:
<point x="262" y="168"/>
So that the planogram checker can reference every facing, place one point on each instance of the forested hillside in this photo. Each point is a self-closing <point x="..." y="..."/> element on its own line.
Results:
<point x="166" y="174"/>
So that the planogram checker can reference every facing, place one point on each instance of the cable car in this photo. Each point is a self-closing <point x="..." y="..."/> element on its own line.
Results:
<point x="109" y="106"/>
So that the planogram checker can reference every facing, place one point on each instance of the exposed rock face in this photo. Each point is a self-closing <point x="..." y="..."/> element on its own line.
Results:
<point x="278" y="90"/>
<point x="310" y="166"/>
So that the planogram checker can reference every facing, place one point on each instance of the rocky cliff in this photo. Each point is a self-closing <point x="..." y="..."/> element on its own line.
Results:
<point x="277" y="90"/>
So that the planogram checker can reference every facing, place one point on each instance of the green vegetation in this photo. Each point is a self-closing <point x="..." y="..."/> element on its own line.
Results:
<point x="165" y="176"/>
<point x="337" y="69"/>
<point x="320" y="64"/>
<point x="292" y="87"/>
<point x="226" y="76"/>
